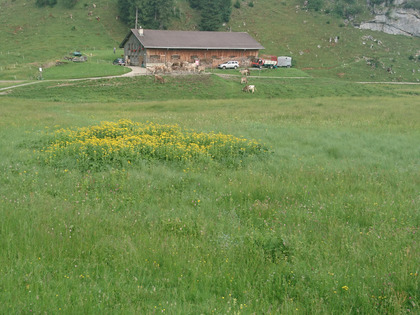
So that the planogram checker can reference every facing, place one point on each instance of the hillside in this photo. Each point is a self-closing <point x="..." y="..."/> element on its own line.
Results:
<point x="321" y="44"/>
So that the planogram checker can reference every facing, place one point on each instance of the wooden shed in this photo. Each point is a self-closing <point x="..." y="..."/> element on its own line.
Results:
<point x="145" y="47"/>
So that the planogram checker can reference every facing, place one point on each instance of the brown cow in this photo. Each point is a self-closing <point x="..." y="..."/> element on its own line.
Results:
<point x="201" y="69"/>
<point x="159" y="78"/>
<point x="152" y="70"/>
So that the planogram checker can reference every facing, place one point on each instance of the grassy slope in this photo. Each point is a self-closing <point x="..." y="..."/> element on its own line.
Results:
<point x="285" y="30"/>
<point x="198" y="87"/>
<point x="30" y="41"/>
<point x="279" y="26"/>
<point x="327" y="223"/>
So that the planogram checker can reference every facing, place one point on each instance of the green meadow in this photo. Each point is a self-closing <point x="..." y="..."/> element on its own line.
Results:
<point x="325" y="221"/>
<point x="127" y="196"/>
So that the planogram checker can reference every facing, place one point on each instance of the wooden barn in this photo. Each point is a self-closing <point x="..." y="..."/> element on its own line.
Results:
<point x="145" y="47"/>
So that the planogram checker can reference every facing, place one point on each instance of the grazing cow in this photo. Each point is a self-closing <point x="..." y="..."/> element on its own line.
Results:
<point x="191" y="67"/>
<point x="159" y="68"/>
<point x="201" y="69"/>
<point x="244" y="80"/>
<point x="159" y="78"/>
<point x="186" y="66"/>
<point x="249" y="88"/>
<point x="245" y="72"/>
<point x="152" y="70"/>
<point x="166" y="69"/>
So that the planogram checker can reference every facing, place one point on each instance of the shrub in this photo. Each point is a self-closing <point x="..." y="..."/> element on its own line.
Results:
<point x="44" y="3"/>
<point x="237" y="4"/>
<point x="125" y="142"/>
<point x="315" y="5"/>
<point x="68" y="3"/>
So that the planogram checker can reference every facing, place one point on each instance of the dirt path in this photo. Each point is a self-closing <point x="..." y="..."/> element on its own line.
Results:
<point x="135" y="71"/>
<point x="14" y="86"/>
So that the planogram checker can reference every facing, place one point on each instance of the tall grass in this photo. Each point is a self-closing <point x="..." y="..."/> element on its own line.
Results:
<point x="328" y="223"/>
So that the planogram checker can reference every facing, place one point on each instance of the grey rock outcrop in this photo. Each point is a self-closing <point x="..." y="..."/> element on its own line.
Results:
<point x="396" y="20"/>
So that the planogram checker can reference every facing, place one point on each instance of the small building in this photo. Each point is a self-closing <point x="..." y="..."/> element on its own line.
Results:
<point x="144" y="47"/>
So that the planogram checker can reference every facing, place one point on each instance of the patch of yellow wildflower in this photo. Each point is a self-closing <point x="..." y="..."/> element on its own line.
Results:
<point x="125" y="142"/>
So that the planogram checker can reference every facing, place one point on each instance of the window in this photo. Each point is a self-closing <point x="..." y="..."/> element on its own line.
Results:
<point x="175" y="57"/>
<point x="154" y="58"/>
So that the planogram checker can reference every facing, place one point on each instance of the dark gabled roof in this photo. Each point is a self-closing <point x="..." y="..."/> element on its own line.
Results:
<point x="194" y="40"/>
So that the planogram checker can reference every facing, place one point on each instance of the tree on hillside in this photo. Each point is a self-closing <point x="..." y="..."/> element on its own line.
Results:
<point x="213" y="13"/>
<point x="153" y="14"/>
<point x="226" y="8"/>
<point x="211" y="17"/>
<point x="195" y="4"/>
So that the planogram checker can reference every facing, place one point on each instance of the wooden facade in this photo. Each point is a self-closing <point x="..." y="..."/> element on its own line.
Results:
<point x="138" y="55"/>
<point x="207" y="56"/>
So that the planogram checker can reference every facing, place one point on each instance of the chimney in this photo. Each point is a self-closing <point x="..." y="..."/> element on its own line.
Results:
<point x="141" y="31"/>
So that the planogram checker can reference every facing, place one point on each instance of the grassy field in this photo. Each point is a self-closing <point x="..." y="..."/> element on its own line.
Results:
<point x="271" y="73"/>
<point x="143" y="88"/>
<point x="326" y="221"/>
<point x="126" y="196"/>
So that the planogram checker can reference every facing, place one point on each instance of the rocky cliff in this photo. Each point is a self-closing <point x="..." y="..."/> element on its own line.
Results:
<point x="396" y="20"/>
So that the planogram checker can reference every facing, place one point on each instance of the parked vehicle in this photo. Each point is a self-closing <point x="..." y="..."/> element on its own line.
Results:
<point x="229" y="65"/>
<point x="119" y="62"/>
<point x="260" y="63"/>
<point x="274" y="62"/>
<point x="76" y="56"/>
<point x="284" y="61"/>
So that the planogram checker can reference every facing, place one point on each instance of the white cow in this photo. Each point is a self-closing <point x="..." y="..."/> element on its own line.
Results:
<point x="249" y="88"/>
